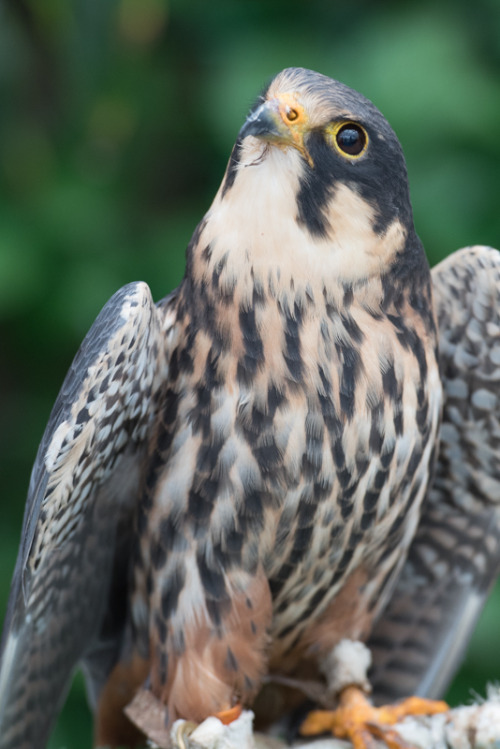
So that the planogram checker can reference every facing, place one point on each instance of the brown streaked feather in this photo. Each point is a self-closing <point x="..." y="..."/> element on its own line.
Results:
<point x="348" y="616"/>
<point x="455" y="556"/>
<point x="213" y="667"/>
<point x="225" y="438"/>
<point x="297" y="437"/>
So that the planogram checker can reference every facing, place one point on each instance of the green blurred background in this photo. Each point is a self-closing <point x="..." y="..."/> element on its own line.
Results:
<point x="116" y="121"/>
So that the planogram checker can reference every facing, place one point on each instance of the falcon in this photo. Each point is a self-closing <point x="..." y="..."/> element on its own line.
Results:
<point x="230" y="481"/>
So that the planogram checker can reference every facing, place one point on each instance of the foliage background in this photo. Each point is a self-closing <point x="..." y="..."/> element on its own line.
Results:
<point x="116" y="121"/>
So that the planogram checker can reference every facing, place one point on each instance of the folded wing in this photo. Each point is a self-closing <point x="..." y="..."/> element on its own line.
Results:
<point x="418" y="643"/>
<point x="79" y="513"/>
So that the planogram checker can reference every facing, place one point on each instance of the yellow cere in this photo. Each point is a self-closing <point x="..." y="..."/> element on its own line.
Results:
<point x="291" y="110"/>
<point x="293" y="115"/>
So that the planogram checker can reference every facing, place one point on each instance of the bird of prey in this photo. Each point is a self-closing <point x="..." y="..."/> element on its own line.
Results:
<point x="230" y="481"/>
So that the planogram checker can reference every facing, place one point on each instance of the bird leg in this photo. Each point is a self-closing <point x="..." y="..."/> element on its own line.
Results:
<point x="358" y="720"/>
<point x="355" y="718"/>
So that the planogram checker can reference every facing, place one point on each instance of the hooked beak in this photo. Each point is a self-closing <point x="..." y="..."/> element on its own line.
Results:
<point x="279" y="121"/>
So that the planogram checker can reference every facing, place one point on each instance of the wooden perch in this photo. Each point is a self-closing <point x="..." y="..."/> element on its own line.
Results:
<point x="472" y="727"/>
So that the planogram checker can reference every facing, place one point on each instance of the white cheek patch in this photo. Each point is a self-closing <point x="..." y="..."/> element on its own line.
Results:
<point x="256" y="224"/>
<point x="357" y="250"/>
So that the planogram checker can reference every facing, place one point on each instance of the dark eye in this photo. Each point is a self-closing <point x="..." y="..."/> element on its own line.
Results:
<point x="351" y="139"/>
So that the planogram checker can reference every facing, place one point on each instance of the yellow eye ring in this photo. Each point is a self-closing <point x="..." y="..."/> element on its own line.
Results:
<point x="349" y="138"/>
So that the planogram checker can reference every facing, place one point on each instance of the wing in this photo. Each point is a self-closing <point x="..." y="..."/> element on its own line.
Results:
<point x="455" y="556"/>
<point x="82" y="489"/>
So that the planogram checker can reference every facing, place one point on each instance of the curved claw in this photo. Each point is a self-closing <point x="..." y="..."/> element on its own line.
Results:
<point x="356" y="719"/>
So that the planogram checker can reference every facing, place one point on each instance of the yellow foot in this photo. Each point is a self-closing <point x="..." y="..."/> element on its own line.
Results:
<point x="356" y="719"/>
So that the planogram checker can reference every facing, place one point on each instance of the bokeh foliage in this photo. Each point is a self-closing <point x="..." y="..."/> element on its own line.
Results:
<point x="116" y="120"/>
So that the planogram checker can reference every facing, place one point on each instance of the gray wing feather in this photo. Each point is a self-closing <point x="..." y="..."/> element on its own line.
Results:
<point x="455" y="557"/>
<point x="82" y="488"/>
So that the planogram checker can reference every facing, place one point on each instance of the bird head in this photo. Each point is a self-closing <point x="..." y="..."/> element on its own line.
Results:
<point x="317" y="178"/>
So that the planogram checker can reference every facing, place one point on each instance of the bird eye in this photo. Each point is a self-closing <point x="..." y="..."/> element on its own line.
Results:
<point x="351" y="139"/>
<point x="291" y="114"/>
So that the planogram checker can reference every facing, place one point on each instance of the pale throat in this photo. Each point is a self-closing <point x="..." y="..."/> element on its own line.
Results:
<point x="254" y="226"/>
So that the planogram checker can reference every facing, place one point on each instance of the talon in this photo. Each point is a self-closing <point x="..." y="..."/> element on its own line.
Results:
<point x="358" y="720"/>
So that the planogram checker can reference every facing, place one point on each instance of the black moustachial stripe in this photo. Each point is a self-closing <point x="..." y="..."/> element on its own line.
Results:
<point x="370" y="178"/>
